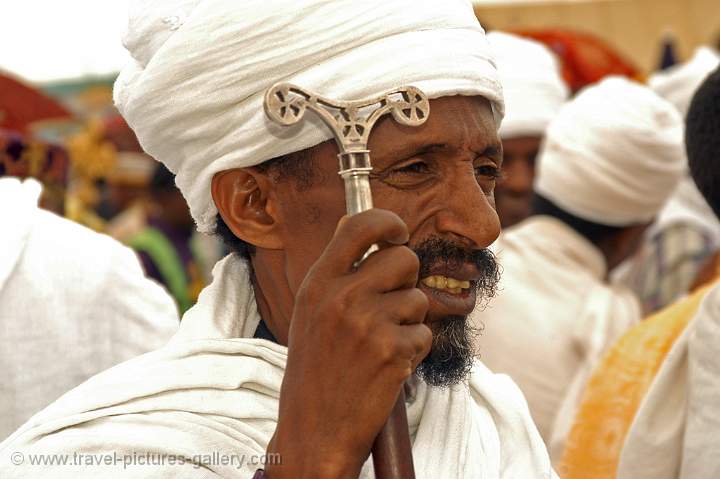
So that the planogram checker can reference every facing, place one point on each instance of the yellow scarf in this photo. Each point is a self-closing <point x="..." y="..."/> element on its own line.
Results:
<point x="616" y="389"/>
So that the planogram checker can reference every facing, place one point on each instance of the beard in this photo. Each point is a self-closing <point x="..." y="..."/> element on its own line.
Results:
<point x="453" y="350"/>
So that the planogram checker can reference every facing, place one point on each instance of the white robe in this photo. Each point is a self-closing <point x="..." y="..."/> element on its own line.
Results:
<point x="553" y="318"/>
<point x="675" y="432"/>
<point x="72" y="303"/>
<point x="215" y="389"/>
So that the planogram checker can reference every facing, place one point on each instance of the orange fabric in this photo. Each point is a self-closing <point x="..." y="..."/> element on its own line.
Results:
<point x="616" y="389"/>
<point x="585" y="58"/>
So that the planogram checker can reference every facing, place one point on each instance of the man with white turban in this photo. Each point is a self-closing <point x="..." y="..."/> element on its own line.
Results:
<point x="686" y="232"/>
<point x="654" y="402"/>
<point x="610" y="159"/>
<point x="72" y="303"/>
<point x="292" y="354"/>
<point x="534" y="91"/>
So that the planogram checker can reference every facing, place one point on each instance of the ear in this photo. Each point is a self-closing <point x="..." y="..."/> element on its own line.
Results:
<point x="242" y="197"/>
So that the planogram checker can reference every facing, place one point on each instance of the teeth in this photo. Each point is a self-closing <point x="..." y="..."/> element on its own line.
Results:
<point x="451" y="285"/>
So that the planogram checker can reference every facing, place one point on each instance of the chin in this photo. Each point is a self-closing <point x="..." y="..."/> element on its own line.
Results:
<point x="452" y="354"/>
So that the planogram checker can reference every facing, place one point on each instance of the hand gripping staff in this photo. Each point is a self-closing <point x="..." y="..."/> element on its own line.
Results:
<point x="351" y="123"/>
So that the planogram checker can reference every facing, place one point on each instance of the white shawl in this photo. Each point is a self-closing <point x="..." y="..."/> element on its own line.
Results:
<point x="211" y="391"/>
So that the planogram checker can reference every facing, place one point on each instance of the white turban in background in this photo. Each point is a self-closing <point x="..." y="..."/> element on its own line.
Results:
<point x="679" y="83"/>
<point x="687" y="205"/>
<point x="613" y="155"/>
<point x="193" y="93"/>
<point x="533" y="87"/>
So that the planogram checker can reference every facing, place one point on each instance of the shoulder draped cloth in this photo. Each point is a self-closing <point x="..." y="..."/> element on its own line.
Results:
<point x="212" y="393"/>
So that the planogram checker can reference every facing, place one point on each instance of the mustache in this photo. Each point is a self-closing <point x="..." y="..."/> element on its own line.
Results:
<point x="436" y="250"/>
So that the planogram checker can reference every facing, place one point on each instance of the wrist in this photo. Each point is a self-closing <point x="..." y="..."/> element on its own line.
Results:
<point x="301" y="457"/>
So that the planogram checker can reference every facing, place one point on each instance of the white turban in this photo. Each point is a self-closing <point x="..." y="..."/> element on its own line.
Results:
<point x="532" y="84"/>
<point x="194" y="91"/>
<point x="613" y="155"/>
<point x="678" y="84"/>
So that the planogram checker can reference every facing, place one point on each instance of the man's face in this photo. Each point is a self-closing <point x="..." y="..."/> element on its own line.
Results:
<point x="440" y="179"/>
<point x="514" y="192"/>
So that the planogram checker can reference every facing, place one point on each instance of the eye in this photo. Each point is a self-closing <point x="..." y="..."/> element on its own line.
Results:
<point x="488" y="171"/>
<point x="417" y="167"/>
<point x="415" y="173"/>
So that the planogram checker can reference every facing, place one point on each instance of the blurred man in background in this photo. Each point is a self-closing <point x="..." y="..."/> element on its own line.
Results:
<point x="534" y="92"/>
<point x="611" y="158"/>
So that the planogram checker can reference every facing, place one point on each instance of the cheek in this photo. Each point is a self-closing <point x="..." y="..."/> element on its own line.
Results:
<point x="414" y="207"/>
<point x="309" y="221"/>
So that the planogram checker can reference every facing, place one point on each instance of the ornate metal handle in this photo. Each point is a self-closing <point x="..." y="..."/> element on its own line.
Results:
<point x="350" y="121"/>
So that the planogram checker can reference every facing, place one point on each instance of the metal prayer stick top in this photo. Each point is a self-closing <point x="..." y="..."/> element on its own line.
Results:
<point x="351" y="123"/>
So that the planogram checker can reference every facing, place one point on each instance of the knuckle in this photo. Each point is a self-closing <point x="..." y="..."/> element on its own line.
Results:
<point x="418" y="302"/>
<point x="408" y="258"/>
<point x="388" y="222"/>
<point x="426" y="338"/>
<point x="360" y="327"/>
<point x="353" y="226"/>
<point x="387" y="348"/>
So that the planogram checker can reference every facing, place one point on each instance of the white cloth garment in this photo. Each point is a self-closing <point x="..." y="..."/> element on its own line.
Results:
<point x="677" y="84"/>
<point x="674" y="434"/>
<point x="613" y="155"/>
<point x="552" y="319"/>
<point x="72" y="303"/>
<point x="214" y="389"/>
<point x="533" y="87"/>
<point x="688" y="206"/>
<point x="194" y="91"/>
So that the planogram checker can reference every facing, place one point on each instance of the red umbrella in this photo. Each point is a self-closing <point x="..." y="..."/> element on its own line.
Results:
<point x="21" y="105"/>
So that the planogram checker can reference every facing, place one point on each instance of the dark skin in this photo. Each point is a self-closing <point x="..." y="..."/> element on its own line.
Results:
<point x="513" y="194"/>
<point x="355" y="336"/>
<point x="621" y="246"/>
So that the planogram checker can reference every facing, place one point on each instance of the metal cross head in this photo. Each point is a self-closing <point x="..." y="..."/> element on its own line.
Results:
<point x="350" y="121"/>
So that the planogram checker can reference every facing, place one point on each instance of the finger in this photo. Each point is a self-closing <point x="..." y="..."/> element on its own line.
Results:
<point x="389" y="269"/>
<point x="355" y="234"/>
<point x="415" y="341"/>
<point x="408" y="306"/>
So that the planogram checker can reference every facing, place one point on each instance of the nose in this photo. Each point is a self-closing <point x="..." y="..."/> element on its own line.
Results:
<point x="470" y="215"/>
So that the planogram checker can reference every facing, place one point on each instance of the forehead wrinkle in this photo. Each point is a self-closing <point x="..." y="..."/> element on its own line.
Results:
<point x="462" y="123"/>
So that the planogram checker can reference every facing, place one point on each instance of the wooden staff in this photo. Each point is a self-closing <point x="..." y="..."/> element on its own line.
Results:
<point x="351" y="122"/>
